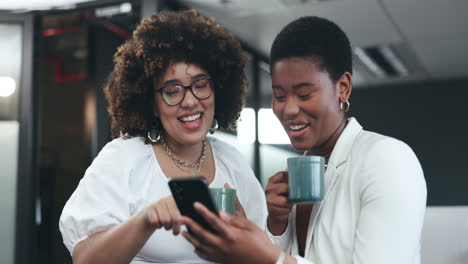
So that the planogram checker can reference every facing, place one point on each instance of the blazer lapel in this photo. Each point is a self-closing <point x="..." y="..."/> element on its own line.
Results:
<point x="338" y="158"/>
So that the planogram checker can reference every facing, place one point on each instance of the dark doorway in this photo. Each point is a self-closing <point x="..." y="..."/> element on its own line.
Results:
<point x="74" y="57"/>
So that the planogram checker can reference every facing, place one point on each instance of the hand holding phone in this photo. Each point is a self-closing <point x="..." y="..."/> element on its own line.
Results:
<point x="186" y="192"/>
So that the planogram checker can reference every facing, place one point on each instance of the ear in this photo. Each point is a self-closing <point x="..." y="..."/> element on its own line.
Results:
<point x="345" y="86"/>
<point x="155" y="100"/>
<point x="155" y="110"/>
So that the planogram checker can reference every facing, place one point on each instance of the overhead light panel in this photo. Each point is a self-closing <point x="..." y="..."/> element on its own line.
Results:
<point x="392" y="58"/>
<point x="369" y="62"/>
<point x="382" y="61"/>
<point x="113" y="10"/>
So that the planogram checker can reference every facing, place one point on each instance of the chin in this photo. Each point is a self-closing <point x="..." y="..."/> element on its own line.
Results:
<point x="299" y="145"/>
<point x="194" y="138"/>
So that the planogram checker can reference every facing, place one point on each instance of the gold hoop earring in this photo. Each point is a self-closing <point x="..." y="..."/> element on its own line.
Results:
<point x="214" y="126"/>
<point x="154" y="133"/>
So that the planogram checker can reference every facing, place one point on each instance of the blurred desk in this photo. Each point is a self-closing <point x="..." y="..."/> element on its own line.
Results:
<point x="445" y="235"/>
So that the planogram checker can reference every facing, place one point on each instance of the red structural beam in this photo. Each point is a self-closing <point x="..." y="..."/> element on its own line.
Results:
<point x="117" y="30"/>
<point x="61" y="78"/>
<point x="57" y="65"/>
<point x="57" y="31"/>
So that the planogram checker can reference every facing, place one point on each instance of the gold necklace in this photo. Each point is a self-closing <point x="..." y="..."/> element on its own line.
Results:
<point x="189" y="171"/>
<point x="179" y="163"/>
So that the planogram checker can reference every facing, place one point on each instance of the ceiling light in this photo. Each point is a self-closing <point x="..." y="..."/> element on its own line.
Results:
<point x="109" y="11"/>
<point x="7" y="86"/>
<point x="394" y="60"/>
<point x="382" y="61"/>
<point x="368" y="62"/>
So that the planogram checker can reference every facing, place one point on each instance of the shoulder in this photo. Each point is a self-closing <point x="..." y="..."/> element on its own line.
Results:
<point x="368" y="141"/>
<point x="122" y="151"/>
<point x="224" y="150"/>
<point x="230" y="158"/>
<point x="386" y="157"/>
<point x="134" y="143"/>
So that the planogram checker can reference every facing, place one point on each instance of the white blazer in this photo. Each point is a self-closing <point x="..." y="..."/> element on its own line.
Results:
<point x="374" y="204"/>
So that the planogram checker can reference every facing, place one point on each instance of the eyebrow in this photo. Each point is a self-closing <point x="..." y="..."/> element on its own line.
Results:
<point x="296" y="86"/>
<point x="177" y="81"/>
<point x="299" y="85"/>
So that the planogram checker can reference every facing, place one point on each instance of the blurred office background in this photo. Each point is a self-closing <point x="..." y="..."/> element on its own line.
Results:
<point x="410" y="82"/>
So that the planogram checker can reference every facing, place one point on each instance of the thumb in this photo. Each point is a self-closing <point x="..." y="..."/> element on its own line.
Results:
<point x="226" y="185"/>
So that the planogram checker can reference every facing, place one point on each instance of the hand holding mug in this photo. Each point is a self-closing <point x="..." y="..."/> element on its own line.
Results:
<point x="278" y="203"/>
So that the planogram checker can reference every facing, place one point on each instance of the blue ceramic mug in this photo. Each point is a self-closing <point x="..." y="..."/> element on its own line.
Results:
<point x="224" y="199"/>
<point x="305" y="179"/>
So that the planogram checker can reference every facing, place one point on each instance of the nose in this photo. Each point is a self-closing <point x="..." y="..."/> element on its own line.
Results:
<point x="189" y="99"/>
<point x="291" y="108"/>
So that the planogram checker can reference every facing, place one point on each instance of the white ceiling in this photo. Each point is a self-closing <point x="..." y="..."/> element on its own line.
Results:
<point x="22" y="5"/>
<point x="431" y="35"/>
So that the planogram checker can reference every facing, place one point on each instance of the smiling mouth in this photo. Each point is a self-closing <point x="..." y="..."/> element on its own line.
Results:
<point x="296" y="128"/>
<point x="190" y="118"/>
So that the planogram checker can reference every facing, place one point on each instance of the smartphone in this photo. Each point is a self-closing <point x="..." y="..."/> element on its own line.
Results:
<point x="188" y="190"/>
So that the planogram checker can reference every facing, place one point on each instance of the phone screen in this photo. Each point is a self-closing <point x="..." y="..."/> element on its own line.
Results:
<point x="186" y="191"/>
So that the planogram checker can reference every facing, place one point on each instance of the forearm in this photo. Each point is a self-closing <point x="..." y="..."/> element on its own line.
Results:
<point x="117" y="245"/>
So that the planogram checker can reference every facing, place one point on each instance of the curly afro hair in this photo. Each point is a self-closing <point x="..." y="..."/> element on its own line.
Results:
<point x="164" y="38"/>
<point x="315" y="37"/>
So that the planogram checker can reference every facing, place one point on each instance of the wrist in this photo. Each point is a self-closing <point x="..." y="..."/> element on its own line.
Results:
<point x="145" y="221"/>
<point x="274" y="254"/>
<point x="288" y="259"/>
<point x="284" y="258"/>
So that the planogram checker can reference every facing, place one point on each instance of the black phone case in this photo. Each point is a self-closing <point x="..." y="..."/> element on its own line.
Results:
<point x="186" y="191"/>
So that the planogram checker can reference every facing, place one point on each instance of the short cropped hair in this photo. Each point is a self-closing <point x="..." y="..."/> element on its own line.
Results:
<point x="167" y="37"/>
<point x="317" y="38"/>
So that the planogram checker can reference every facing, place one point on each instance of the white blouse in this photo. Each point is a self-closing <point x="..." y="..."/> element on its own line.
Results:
<point x="125" y="178"/>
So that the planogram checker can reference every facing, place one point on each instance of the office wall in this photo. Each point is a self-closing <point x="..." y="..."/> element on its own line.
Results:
<point x="433" y="119"/>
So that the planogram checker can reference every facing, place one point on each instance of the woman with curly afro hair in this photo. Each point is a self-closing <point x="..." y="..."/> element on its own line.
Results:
<point x="177" y="79"/>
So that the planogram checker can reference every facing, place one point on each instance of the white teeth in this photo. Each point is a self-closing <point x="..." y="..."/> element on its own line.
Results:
<point x="296" y="127"/>
<point x="190" y="118"/>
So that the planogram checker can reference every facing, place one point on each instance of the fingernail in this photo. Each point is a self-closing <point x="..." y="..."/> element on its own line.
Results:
<point x="225" y="216"/>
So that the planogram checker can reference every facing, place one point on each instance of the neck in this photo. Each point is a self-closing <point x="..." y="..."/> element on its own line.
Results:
<point x="190" y="153"/>
<point x="326" y="149"/>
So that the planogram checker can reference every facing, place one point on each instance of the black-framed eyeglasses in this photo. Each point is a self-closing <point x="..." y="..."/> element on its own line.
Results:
<point x="174" y="94"/>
